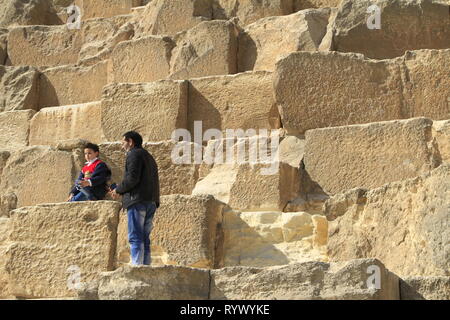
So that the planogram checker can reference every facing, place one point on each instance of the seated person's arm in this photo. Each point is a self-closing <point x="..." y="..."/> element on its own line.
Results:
<point x="74" y="190"/>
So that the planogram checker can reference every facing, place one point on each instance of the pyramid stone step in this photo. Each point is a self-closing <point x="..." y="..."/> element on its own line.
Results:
<point x="51" y="125"/>
<point x="72" y="243"/>
<point x="427" y="27"/>
<point x="185" y="232"/>
<point x="425" y="288"/>
<point x="306" y="4"/>
<point x="261" y="239"/>
<point x="4" y="279"/>
<point x="265" y="41"/>
<point x="107" y="8"/>
<point x="18" y="88"/>
<point x="3" y="46"/>
<point x="441" y="132"/>
<point x="313" y="91"/>
<point x="19" y="12"/>
<point x="404" y="224"/>
<point x="15" y="127"/>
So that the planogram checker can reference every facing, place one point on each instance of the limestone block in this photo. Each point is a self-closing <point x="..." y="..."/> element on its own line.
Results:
<point x="108" y="8"/>
<point x="425" y="288"/>
<point x="441" y="133"/>
<point x="15" y="127"/>
<point x="57" y="246"/>
<point x="4" y="279"/>
<point x="370" y="155"/>
<point x="33" y="12"/>
<point x="3" y="46"/>
<point x="306" y="4"/>
<point x="403" y="223"/>
<point x="18" y="88"/>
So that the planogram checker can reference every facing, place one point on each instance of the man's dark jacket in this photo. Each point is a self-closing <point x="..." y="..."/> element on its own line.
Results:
<point x="99" y="180"/>
<point x="141" y="182"/>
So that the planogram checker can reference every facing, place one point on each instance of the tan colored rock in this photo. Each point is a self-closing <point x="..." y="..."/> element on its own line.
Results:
<point x="154" y="109"/>
<point x="108" y="8"/>
<point x="4" y="279"/>
<point x="185" y="232"/>
<point x="168" y="17"/>
<point x="52" y="125"/>
<point x="43" y="45"/>
<point x="215" y="102"/>
<point x="249" y="11"/>
<point x="67" y="85"/>
<point x="31" y="176"/>
<point x="56" y="246"/>
<point x="405" y="25"/>
<point x="402" y="223"/>
<point x="33" y="12"/>
<point x="370" y="155"/>
<point x="15" y="127"/>
<point x="441" y="132"/>
<point x="18" y="88"/>
<point x="425" y="288"/>
<point x="261" y="239"/>
<point x="264" y="42"/>
<point x="142" y="60"/>
<point x="292" y="150"/>
<point x="306" y="281"/>
<point x="306" y="4"/>
<point x="208" y="49"/>
<point x="3" y="46"/>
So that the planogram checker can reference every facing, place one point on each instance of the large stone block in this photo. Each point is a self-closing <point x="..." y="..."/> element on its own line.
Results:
<point x="404" y="223"/>
<point x="370" y="155"/>
<point x="55" y="247"/>
<point x="306" y="4"/>
<point x="3" y="46"/>
<point x="18" y="88"/>
<point x="32" y="12"/>
<point x="154" y="109"/>
<point x="66" y="85"/>
<point x="242" y="101"/>
<point x="441" y="133"/>
<point x="264" y="42"/>
<point x="186" y="232"/>
<point x="15" y="128"/>
<point x="405" y="25"/>
<point x="53" y="125"/>
<point x="425" y="288"/>
<point x="43" y="45"/>
<point x="4" y="278"/>
<point x="108" y="8"/>
<point x="306" y="281"/>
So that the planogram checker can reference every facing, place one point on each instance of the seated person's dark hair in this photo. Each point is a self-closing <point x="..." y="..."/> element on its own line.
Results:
<point x="136" y="137"/>
<point x="92" y="146"/>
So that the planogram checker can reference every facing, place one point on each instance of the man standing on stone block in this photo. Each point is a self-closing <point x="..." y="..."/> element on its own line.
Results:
<point x="140" y="190"/>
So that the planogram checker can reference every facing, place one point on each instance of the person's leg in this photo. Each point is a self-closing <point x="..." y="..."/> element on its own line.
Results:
<point x="136" y="219"/>
<point x="88" y="194"/>
<point x="78" y="197"/>
<point x="148" y="226"/>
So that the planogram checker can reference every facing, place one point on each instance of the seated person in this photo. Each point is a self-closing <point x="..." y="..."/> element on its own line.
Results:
<point x="91" y="184"/>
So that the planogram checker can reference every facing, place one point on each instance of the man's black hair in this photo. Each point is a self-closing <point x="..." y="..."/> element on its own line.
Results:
<point x="92" y="146"/>
<point x="136" y="137"/>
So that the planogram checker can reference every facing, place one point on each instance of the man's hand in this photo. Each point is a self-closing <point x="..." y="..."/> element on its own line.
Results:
<point x="85" y="184"/>
<point x="114" y="194"/>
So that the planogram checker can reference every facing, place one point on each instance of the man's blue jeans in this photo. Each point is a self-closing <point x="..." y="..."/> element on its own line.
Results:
<point x="140" y="224"/>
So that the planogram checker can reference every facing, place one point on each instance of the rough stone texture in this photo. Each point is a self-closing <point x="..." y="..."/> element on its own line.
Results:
<point x="154" y="109"/>
<point x="370" y="155"/>
<point x="292" y="150"/>
<point x="441" y="133"/>
<point x="154" y="283"/>
<point x="15" y="127"/>
<point x="369" y="90"/>
<point x="3" y="46"/>
<point x="305" y="281"/>
<point x="425" y="288"/>
<point x="169" y="17"/>
<point x="32" y="12"/>
<point x="306" y="4"/>
<point x="208" y="49"/>
<point x="51" y="243"/>
<point x="249" y="11"/>
<point x="52" y="125"/>
<point x="264" y="42"/>
<point x="260" y="239"/>
<point x="424" y="24"/>
<point x="186" y="232"/>
<point x="43" y="45"/>
<point x="30" y="175"/>
<point x="18" y="88"/>
<point x="67" y="85"/>
<point x="108" y="8"/>
<point x="404" y="224"/>
<point x="4" y="279"/>
<point x="213" y="100"/>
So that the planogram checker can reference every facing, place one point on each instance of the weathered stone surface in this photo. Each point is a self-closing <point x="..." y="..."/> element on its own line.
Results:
<point x="208" y="49"/>
<point x="52" y="125"/>
<point x="405" y="25"/>
<point x="55" y="246"/>
<point x="213" y="100"/>
<point x="32" y="12"/>
<point x="260" y="239"/>
<point x="4" y="279"/>
<point x="306" y="4"/>
<point x="404" y="223"/>
<point x="15" y="127"/>
<point x="441" y="132"/>
<point x="425" y="288"/>
<point x="370" y="155"/>
<point x="292" y="150"/>
<point x="3" y="46"/>
<point x="185" y="232"/>
<point x="305" y="281"/>
<point x="249" y="11"/>
<point x="169" y="17"/>
<point x="67" y="85"/>
<point x="108" y="8"/>
<point x="18" y="88"/>
<point x="31" y="176"/>
<point x="154" y="109"/>
<point x="43" y="45"/>
<point x="264" y="42"/>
